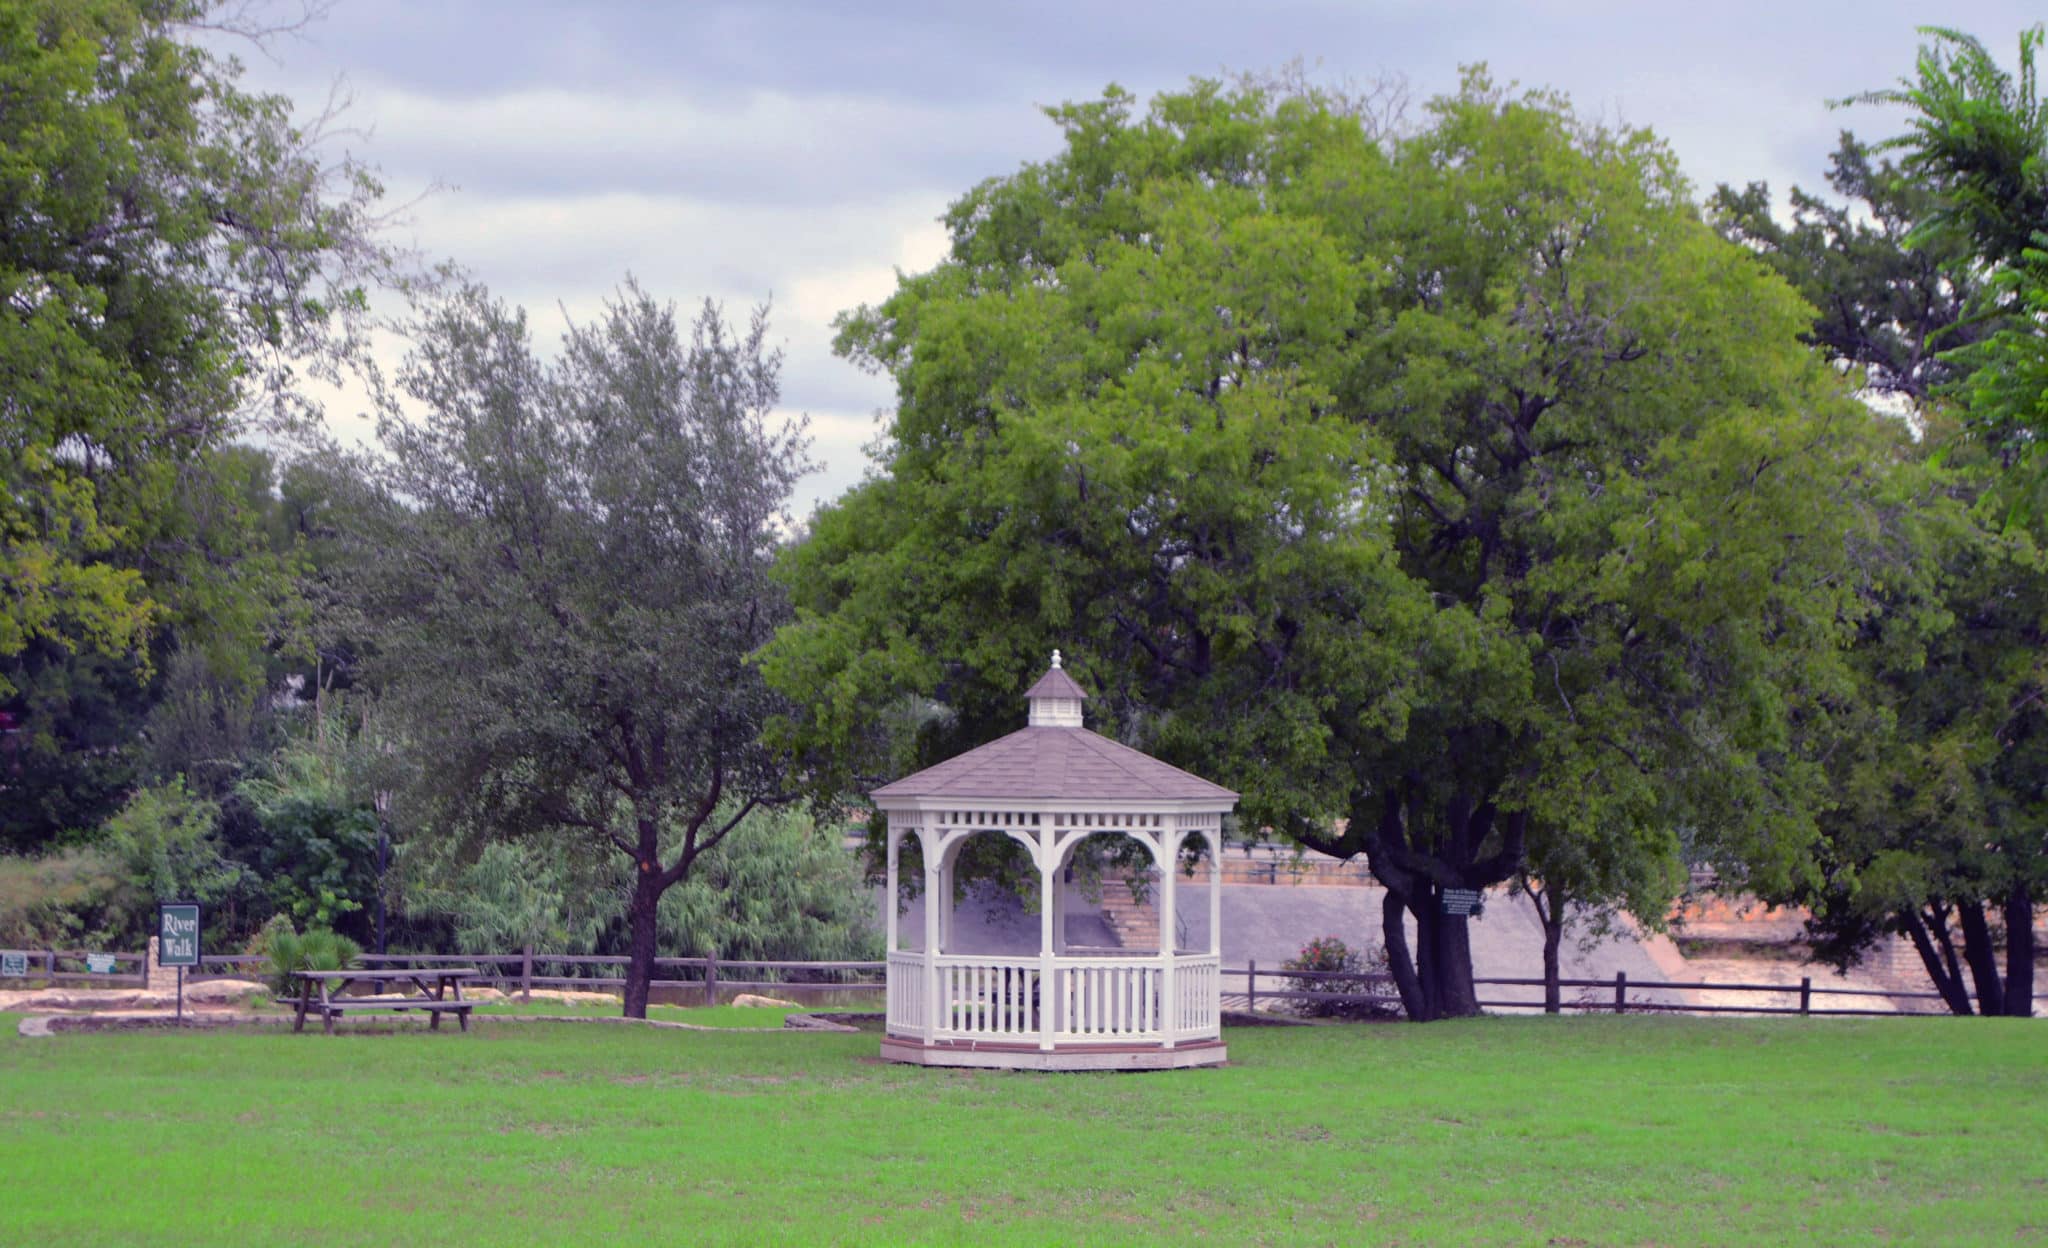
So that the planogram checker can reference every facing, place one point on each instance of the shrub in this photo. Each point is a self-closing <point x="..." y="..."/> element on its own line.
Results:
<point x="316" y="949"/>
<point x="1365" y="985"/>
<point x="63" y="898"/>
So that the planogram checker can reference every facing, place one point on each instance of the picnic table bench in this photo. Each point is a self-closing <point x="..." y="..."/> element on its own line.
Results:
<point x="434" y="1000"/>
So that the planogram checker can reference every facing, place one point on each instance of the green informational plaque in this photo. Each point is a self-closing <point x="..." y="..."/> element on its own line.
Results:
<point x="13" y="966"/>
<point x="99" y="964"/>
<point x="177" y="934"/>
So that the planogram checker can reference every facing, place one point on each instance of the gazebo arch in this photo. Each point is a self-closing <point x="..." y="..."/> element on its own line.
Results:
<point x="1049" y="786"/>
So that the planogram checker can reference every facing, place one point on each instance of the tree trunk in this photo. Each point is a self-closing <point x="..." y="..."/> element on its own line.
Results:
<point x="1426" y="952"/>
<point x="1550" y="911"/>
<point x="1456" y="996"/>
<point x="645" y="909"/>
<point x="1938" y="917"/>
<point x="1948" y="985"/>
<point x="1394" y="933"/>
<point x="1982" y="957"/>
<point x="2019" y="952"/>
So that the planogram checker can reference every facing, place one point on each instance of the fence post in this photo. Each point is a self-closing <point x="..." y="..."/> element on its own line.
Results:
<point x="1806" y="994"/>
<point x="526" y="972"/>
<point x="711" y="977"/>
<point x="1621" y="992"/>
<point x="1251" y="985"/>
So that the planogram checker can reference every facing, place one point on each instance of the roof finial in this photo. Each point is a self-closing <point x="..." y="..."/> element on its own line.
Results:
<point x="1055" y="659"/>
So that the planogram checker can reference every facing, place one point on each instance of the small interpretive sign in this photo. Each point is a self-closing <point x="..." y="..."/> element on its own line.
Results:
<point x="99" y="964"/>
<point x="13" y="966"/>
<point x="1462" y="901"/>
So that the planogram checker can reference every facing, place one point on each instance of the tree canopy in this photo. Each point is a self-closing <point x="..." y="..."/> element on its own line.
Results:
<point x="1976" y="144"/>
<point x="176" y="259"/>
<point x="563" y="568"/>
<point x="1428" y="489"/>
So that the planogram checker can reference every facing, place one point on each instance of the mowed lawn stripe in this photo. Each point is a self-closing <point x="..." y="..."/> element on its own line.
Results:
<point x="1599" y="1130"/>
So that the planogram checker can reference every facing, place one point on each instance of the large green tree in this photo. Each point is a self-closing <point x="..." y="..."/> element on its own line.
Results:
<point x="559" y="571"/>
<point x="176" y="257"/>
<point x="1434" y="491"/>
<point x="1938" y="831"/>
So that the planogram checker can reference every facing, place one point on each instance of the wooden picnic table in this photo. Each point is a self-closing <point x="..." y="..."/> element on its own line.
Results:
<point x="433" y="999"/>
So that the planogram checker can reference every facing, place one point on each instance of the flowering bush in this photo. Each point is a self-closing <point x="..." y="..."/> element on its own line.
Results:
<point x="1358" y="985"/>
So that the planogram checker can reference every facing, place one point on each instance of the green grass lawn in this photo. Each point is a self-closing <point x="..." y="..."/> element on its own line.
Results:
<point x="1560" y="1131"/>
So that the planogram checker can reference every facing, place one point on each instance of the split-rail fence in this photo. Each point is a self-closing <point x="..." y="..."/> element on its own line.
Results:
<point x="1254" y="985"/>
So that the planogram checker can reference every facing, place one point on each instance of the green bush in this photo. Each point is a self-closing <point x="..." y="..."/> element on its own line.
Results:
<point x="71" y="897"/>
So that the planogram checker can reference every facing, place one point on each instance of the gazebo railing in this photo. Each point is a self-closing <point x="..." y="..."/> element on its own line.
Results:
<point x="906" y="994"/>
<point x="1105" y="1000"/>
<point x="1092" y="1000"/>
<point x="989" y="998"/>
<point x="1199" y="985"/>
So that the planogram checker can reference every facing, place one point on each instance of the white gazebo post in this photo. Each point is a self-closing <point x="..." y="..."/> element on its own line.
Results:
<point x="932" y="853"/>
<point x="1169" y="842"/>
<point x="1049" y="938"/>
<point x="895" y="843"/>
<point x="1216" y="896"/>
<point x="1048" y="786"/>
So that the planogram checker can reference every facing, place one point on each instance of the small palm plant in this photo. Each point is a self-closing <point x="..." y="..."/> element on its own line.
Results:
<point x="316" y="949"/>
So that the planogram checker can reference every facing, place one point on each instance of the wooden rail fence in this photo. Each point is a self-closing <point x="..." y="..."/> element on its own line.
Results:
<point x="528" y="969"/>
<point x="1614" y="993"/>
<point x="69" y="966"/>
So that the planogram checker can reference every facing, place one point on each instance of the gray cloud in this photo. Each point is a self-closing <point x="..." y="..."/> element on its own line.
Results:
<point x="800" y="150"/>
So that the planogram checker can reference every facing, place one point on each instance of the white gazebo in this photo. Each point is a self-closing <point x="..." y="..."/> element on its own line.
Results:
<point x="1048" y="786"/>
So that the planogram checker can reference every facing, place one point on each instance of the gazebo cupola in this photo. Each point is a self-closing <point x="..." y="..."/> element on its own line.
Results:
<point x="1048" y="786"/>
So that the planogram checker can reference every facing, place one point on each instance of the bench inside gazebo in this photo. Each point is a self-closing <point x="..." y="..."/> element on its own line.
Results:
<point x="1049" y="786"/>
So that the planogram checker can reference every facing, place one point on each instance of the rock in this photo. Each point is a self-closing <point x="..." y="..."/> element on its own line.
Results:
<point x="814" y="1022"/>
<point x="570" y="996"/>
<point x="161" y="978"/>
<point x="215" y="990"/>
<point x="770" y="1003"/>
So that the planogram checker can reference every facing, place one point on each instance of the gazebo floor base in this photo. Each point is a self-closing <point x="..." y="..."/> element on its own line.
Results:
<point x="998" y="1056"/>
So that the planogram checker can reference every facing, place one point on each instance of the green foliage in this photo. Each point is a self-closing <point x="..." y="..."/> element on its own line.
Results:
<point x="161" y="846"/>
<point x="166" y="843"/>
<point x="565" y="569"/>
<point x="1976" y="143"/>
<point x="289" y="950"/>
<point x="315" y="848"/>
<point x="1465" y="486"/>
<point x="1939" y="769"/>
<point x="58" y="899"/>
<point x="177" y="253"/>
<point x="70" y="764"/>
<point x="2006" y="391"/>
<point x="779" y="888"/>
<point x="1887" y="297"/>
<point x="518" y="894"/>
<point x="1976" y="137"/>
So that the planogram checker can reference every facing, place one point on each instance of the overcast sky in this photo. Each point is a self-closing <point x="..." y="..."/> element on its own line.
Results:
<point x="801" y="152"/>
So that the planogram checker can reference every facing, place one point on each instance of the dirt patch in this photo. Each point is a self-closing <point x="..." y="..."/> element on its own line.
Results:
<point x="206" y="994"/>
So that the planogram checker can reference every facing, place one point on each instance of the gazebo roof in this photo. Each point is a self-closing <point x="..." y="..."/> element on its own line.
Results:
<point x="1056" y="762"/>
